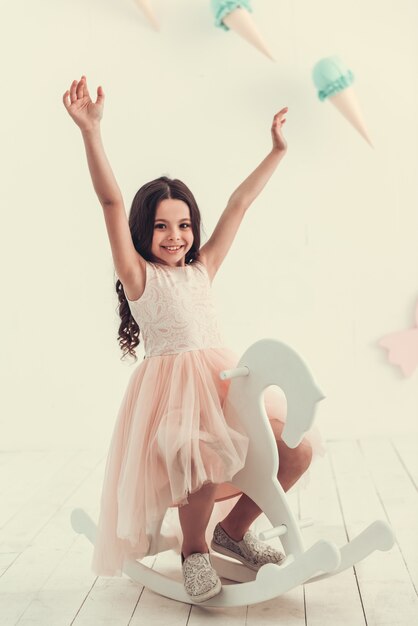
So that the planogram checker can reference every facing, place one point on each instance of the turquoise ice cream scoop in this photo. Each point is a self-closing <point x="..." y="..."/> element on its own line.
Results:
<point x="221" y="8"/>
<point x="330" y="76"/>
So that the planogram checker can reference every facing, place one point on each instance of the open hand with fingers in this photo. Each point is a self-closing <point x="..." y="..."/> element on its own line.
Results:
<point x="279" y="142"/>
<point x="85" y="113"/>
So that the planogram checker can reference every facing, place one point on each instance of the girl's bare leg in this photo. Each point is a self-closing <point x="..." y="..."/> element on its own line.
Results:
<point x="293" y="463"/>
<point x="194" y="518"/>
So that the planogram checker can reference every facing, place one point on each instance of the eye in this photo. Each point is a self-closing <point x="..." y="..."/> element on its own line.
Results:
<point x="158" y="225"/>
<point x="185" y="224"/>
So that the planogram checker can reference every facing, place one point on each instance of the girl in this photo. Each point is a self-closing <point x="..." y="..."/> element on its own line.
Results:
<point x="172" y="445"/>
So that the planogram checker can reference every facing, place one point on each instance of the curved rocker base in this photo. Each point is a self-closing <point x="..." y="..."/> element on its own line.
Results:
<point x="270" y="581"/>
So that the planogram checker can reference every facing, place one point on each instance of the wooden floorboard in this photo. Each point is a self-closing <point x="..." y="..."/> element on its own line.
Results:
<point x="28" y="476"/>
<point x="387" y="593"/>
<point x="45" y="576"/>
<point x="13" y="464"/>
<point x="169" y="612"/>
<point x="286" y="610"/>
<point x="40" y="536"/>
<point x="407" y="450"/>
<point x="399" y="499"/>
<point x="335" y="599"/>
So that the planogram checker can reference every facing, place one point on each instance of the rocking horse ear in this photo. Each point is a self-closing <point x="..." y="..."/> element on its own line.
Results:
<point x="318" y="395"/>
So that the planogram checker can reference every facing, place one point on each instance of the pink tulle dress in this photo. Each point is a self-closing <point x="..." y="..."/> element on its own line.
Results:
<point x="171" y="435"/>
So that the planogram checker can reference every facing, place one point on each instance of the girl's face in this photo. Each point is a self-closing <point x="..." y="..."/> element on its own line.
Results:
<point x="172" y="229"/>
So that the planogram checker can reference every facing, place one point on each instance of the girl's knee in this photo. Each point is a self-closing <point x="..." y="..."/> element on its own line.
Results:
<point x="304" y="457"/>
<point x="301" y="457"/>
<point x="295" y="460"/>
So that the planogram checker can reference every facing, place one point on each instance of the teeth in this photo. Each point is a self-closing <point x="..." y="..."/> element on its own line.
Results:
<point x="173" y="248"/>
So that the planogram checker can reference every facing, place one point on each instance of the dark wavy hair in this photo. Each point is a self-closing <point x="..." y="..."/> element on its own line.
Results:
<point x="141" y="224"/>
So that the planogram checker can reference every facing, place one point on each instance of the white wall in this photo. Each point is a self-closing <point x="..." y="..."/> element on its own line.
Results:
<point x="326" y="257"/>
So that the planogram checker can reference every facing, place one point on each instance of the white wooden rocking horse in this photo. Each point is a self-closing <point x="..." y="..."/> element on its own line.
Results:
<point x="267" y="362"/>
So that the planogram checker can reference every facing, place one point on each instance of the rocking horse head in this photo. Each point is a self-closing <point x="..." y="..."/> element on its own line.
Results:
<point x="301" y="404"/>
<point x="271" y="362"/>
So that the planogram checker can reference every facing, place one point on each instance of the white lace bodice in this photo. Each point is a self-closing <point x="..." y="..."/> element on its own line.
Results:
<point x="176" y="312"/>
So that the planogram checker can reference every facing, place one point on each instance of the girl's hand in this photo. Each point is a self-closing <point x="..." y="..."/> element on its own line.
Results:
<point x="85" y="113"/>
<point x="279" y="142"/>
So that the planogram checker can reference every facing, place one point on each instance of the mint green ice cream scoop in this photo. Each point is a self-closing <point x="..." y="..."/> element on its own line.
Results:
<point x="330" y="76"/>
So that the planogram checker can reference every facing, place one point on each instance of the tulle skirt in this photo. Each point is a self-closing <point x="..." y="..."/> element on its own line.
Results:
<point x="170" y="438"/>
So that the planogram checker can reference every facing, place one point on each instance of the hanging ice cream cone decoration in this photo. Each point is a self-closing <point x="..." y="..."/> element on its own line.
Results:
<point x="235" y="15"/>
<point x="145" y="6"/>
<point x="333" y="81"/>
<point x="347" y="104"/>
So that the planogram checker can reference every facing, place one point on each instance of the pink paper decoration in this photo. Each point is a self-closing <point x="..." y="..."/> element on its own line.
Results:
<point x="403" y="348"/>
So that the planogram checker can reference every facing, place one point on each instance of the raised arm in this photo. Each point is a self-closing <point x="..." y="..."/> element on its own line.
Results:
<point x="87" y="115"/>
<point x="216" y="248"/>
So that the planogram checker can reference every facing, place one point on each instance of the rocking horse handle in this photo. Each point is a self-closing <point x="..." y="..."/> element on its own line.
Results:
<point x="234" y="373"/>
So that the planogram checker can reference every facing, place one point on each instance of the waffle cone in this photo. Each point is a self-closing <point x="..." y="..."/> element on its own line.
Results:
<point x="240" y="21"/>
<point x="148" y="11"/>
<point x="347" y="104"/>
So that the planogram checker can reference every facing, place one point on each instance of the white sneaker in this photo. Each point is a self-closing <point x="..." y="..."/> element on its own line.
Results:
<point x="250" y="550"/>
<point x="201" y="581"/>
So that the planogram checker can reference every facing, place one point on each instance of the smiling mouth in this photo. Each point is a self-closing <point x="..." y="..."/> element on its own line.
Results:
<point x="172" y="248"/>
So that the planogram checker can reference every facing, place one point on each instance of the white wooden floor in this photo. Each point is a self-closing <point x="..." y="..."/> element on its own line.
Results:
<point x="45" y="576"/>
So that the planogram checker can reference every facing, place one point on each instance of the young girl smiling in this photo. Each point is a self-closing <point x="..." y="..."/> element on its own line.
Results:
<point x="172" y="445"/>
